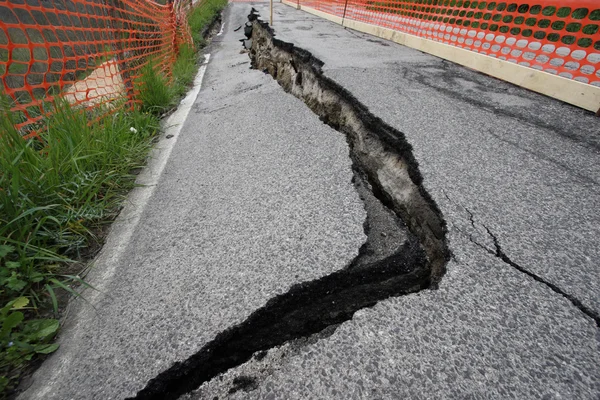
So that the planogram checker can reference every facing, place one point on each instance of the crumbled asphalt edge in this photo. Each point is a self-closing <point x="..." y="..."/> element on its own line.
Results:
<point x="385" y="232"/>
<point x="213" y="26"/>
<point x="380" y="271"/>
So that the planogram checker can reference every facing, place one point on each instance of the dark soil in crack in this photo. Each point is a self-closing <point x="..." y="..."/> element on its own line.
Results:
<point x="390" y="263"/>
<point x="305" y="309"/>
<point x="378" y="150"/>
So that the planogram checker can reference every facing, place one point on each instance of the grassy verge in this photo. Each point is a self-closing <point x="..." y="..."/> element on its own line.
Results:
<point x="201" y="16"/>
<point x="159" y="93"/>
<point x="57" y="195"/>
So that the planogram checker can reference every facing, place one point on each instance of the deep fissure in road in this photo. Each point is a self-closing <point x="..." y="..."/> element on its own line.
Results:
<point x="386" y="177"/>
<point x="379" y="150"/>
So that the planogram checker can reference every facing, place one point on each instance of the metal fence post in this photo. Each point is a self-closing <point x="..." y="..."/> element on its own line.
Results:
<point x="344" y="16"/>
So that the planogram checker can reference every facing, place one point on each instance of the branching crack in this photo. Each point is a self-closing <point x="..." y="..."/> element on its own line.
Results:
<point x="498" y="252"/>
<point x="576" y="302"/>
<point x="470" y="217"/>
<point x="472" y="220"/>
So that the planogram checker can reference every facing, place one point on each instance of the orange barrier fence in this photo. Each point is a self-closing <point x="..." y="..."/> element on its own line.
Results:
<point x="557" y="36"/>
<point x="86" y="51"/>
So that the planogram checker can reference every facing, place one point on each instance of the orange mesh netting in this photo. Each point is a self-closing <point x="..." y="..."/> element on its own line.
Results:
<point x="557" y="36"/>
<point x="87" y="51"/>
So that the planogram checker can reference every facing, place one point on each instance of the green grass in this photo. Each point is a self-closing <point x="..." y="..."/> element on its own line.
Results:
<point x="56" y="192"/>
<point x="59" y="191"/>
<point x="156" y="94"/>
<point x="55" y="195"/>
<point x="184" y="69"/>
<point x="202" y="15"/>
<point x="159" y="93"/>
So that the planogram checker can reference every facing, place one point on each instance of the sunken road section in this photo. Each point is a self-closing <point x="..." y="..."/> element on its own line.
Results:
<point x="377" y="149"/>
<point x="387" y="178"/>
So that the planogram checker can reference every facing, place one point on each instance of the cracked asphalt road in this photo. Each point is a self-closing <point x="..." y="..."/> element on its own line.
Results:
<point x="501" y="162"/>
<point x="525" y="165"/>
<point x="256" y="197"/>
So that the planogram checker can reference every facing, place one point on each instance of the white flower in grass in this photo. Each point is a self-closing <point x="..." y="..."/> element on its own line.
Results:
<point x="133" y="130"/>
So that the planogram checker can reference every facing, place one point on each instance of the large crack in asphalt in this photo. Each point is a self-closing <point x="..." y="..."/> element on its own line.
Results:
<point x="380" y="151"/>
<point x="390" y="263"/>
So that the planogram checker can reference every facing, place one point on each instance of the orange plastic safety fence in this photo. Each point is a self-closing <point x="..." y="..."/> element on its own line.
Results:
<point x="87" y="51"/>
<point x="557" y="36"/>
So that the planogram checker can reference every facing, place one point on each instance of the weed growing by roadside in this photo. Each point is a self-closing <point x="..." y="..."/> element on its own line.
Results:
<point x="154" y="90"/>
<point x="184" y="69"/>
<point x="159" y="93"/>
<point x="202" y="15"/>
<point x="22" y="339"/>
<point x="56" y="192"/>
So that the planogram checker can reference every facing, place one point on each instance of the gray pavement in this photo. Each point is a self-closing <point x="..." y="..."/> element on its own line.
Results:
<point x="256" y="196"/>
<point x="525" y="165"/>
<point x="493" y="156"/>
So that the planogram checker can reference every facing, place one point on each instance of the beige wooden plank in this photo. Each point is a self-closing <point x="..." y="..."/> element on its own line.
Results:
<point x="291" y="4"/>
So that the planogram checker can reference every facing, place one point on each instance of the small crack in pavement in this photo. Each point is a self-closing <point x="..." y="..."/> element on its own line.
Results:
<point x="575" y="301"/>
<point x="499" y="253"/>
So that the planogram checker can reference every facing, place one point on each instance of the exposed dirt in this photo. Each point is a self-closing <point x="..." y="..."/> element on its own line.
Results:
<point x="389" y="264"/>
<point x="380" y="151"/>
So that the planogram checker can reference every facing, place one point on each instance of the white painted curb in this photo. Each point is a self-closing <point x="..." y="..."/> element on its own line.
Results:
<point x="107" y="263"/>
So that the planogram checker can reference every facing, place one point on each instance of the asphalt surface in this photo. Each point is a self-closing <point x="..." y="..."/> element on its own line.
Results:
<point x="257" y="196"/>
<point x="526" y="166"/>
<point x="494" y="157"/>
<point x="529" y="163"/>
